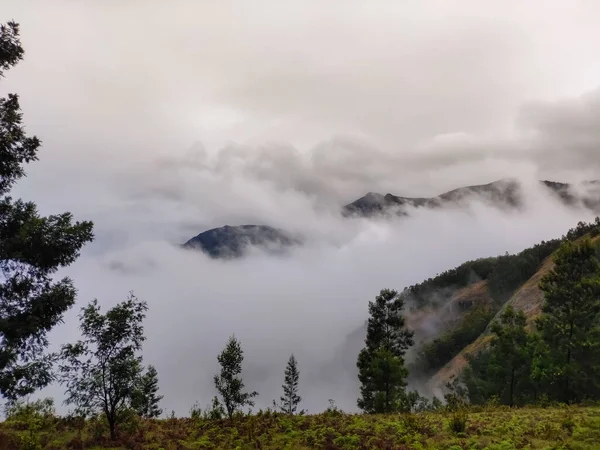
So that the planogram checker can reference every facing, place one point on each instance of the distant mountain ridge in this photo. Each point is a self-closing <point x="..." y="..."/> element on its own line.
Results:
<point x="234" y="241"/>
<point x="505" y="194"/>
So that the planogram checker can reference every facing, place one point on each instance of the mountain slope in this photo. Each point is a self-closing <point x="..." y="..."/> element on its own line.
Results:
<point x="528" y="298"/>
<point x="451" y="312"/>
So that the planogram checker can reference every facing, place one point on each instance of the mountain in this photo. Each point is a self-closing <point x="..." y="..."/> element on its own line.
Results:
<point x="450" y="313"/>
<point x="505" y="194"/>
<point x="234" y="241"/>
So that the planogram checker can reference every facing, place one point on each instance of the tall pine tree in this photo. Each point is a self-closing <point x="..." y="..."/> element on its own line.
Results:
<point x="570" y="325"/>
<point x="504" y="370"/>
<point x="291" y="399"/>
<point x="32" y="249"/>
<point x="381" y="369"/>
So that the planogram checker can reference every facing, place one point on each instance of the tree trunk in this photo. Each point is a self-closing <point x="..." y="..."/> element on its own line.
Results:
<point x="113" y="428"/>
<point x="567" y="394"/>
<point x="512" y="387"/>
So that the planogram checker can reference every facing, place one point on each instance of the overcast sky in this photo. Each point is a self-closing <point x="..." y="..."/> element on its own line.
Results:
<point x="161" y="119"/>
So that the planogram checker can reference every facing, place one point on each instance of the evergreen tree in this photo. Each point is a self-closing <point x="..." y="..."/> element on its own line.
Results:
<point x="290" y="399"/>
<point x="228" y="383"/>
<point x="145" y="399"/>
<point x="381" y="368"/>
<point x="511" y="354"/>
<point x="32" y="249"/>
<point x="570" y="324"/>
<point x="504" y="370"/>
<point x="102" y="371"/>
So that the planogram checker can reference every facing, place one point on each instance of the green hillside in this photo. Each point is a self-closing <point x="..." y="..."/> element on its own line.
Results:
<point x="468" y="298"/>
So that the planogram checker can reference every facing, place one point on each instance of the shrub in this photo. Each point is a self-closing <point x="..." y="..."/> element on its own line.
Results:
<point x="332" y="409"/>
<point x="458" y="421"/>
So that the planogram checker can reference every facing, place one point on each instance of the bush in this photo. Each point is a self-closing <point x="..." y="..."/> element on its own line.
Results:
<point x="332" y="410"/>
<point x="458" y="421"/>
<point x="24" y="411"/>
<point x="215" y="411"/>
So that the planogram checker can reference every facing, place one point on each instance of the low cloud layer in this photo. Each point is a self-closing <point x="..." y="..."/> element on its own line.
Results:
<point x="307" y="302"/>
<point x="161" y="122"/>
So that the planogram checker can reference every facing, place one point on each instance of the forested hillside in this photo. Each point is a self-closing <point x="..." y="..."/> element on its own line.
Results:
<point x="468" y="297"/>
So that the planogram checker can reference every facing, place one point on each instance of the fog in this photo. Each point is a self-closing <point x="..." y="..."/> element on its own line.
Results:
<point x="161" y="121"/>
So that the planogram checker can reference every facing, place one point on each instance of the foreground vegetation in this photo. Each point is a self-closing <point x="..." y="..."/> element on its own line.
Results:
<point x="482" y="428"/>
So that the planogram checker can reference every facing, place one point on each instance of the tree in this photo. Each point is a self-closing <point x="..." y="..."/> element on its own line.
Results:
<point x="102" y="371"/>
<point x="570" y="324"/>
<point x="511" y="356"/>
<point x="32" y="249"/>
<point x="290" y="399"/>
<point x="504" y="371"/>
<point x="228" y="383"/>
<point x="381" y="368"/>
<point x="145" y="399"/>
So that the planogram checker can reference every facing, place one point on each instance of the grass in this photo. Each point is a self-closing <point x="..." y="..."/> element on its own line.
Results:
<point x="487" y="428"/>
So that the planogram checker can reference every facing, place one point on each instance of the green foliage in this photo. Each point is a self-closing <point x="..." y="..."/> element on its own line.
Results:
<point x="504" y="371"/>
<point x="413" y="402"/>
<point x="214" y="411"/>
<point x="145" y="398"/>
<point x="439" y="290"/>
<point x="102" y="372"/>
<point x="511" y="271"/>
<point x="30" y="417"/>
<point x="456" y="405"/>
<point x="435" y="354"/>
<point x="503" y="274"/>
<point x="489" y="428"/>
<point x="228" y="383"/>
<point x="32" y="249"/>
<point x="332" y="410"/>
<point x="25" y="411"/>
<point x="458" y="421"/>
<point x="381" y="369"/>
<point x="290" y="398"/>
<point x="569" y="366"/>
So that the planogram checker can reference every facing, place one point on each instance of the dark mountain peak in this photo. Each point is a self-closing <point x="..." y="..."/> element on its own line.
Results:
<point x="506" y="193"/>
<point x="233" y="241"/>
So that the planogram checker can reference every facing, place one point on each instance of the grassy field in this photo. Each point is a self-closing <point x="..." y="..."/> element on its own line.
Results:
<point x="488" y="428"/>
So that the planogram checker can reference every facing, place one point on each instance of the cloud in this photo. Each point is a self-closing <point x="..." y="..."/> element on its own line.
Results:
<point x="565" y="133"/>
<point x="307" y="302"/>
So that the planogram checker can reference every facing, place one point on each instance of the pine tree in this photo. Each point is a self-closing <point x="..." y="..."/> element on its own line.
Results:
<point x="32" y="249"/>
<point x="570" y="324"/>
<point x="228" y="383"/>
<point x="290" y="399"/>
<point x="102" y="371"/>
<point x="145" y="399"/>
<point x="503" y="371"/>
<point x="381" y="368"/>
<point x="511" y="356"/>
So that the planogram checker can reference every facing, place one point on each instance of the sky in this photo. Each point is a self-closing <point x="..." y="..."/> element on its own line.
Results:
<point x="160" y="120"/>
